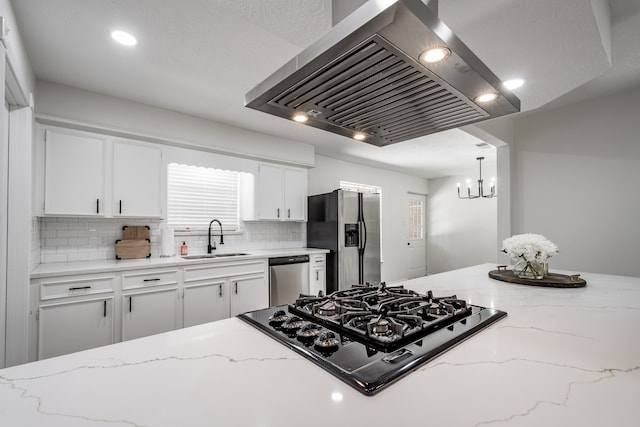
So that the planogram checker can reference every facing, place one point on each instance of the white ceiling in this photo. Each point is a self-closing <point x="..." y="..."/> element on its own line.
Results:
<point x="200" y="57"/>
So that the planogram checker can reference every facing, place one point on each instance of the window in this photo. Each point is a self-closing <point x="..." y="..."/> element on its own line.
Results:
<point x="360" y="188"/>
<point x="196" y="195"/>
<point x="416" y="218"/>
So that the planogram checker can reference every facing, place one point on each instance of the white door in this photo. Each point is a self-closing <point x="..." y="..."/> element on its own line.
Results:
<point x="248" y="294"/>
<point x="416" y="242"/>
<point x="295" y="194"/>
<point x="74" y="326"/>
<point x="270" y="192"/>
<point x="74" y="173"/>
<point x="137" y="174"/>
<point x="205" y="302"/>
<point x="4" y="170"/>
<point x="149" y="313"/>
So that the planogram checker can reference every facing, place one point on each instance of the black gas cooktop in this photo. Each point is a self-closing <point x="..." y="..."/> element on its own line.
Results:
<point x="370" y="336"/>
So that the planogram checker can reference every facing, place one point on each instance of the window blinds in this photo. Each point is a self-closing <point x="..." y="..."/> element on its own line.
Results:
<point x="196" y="195"/>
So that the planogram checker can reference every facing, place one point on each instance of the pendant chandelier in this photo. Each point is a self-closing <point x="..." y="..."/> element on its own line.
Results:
<point x="492" y="188"/>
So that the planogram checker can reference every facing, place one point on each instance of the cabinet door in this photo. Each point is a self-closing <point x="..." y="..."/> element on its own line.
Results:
<point x="270" y="192"/>
<point x="74" y="173"/>
<point x="205" y="302"/>
<point x="317" y="282"/>
<point x="74" y="326"/>
<point x="137" y="178"/>
<point x="149" y="313"/>
<point x="295" y="194"/>
<point x="248" y="293"/>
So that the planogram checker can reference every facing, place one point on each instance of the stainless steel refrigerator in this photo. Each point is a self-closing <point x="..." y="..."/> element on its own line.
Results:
<point x="346" y="223"/>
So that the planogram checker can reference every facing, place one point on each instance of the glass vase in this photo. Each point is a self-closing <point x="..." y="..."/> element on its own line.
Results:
<point x="530" y="270"/>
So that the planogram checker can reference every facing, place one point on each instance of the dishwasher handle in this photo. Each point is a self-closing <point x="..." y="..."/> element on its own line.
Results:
<point x="297" y="259"/>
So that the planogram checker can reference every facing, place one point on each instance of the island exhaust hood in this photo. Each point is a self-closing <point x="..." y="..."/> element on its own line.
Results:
<point x="366" y="79"/>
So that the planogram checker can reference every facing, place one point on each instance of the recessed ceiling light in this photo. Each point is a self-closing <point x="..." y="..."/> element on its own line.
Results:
<point x="359" y="136"/>
<point x="435" y="54"/>
<point x="513" y="83"/>
<point x="300" y="118"/>
<point x="486" y="97"/>
<point x="124" y="38"/>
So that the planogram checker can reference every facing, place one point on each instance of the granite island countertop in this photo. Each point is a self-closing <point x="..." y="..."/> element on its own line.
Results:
<point x="562" y="357"/>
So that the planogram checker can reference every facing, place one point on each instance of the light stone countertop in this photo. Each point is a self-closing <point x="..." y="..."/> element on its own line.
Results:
<point x="102" y="266"/>
<point x="562" y="357"/>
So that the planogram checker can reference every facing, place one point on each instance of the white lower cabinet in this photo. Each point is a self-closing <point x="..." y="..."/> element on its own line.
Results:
<point x="150" y="312"/>
<point x="217" y="291"/>
<point x="248" y="293"/>
<point x="74" y="326"/>
<point x="205" y="302"/>
<point x="317" y="274"/>
<point x="79" y="312"/>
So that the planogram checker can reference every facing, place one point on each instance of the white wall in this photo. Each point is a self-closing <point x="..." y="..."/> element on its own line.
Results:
<point x="156" y="124"/>
<point x="18" y="83"/>
<point x="326" y="177"/>
<point x="16" y="53"/>
<point x="460" y="233"/>
<point x="575" y="178"/>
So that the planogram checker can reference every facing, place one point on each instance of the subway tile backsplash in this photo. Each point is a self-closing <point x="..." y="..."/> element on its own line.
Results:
<point x="82" y="239"/>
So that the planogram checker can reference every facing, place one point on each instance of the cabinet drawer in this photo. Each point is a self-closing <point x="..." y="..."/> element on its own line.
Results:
<point x="75" y="287"/>
<point x="149" y="278"/>
<point x="220" y="270"/>
<point x="316" y="260"/>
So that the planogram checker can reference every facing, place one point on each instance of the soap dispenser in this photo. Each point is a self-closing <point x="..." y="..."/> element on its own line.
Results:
<point x="183" y="249"/>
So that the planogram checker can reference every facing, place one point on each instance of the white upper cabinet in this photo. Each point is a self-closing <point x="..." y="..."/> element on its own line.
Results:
<point x="74" y="175"/>
<point x="280" y="194"/>
<point x="91" y="174"/>
<point x="295" y="194"/>
<point x="137" y="179"/>
<point x="270" y="192"/>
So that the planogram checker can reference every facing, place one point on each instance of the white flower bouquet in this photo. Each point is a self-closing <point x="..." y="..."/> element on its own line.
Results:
<point x="529" y="252"/>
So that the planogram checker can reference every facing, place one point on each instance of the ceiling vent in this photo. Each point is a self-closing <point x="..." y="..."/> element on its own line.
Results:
<point x="366" y="77"/>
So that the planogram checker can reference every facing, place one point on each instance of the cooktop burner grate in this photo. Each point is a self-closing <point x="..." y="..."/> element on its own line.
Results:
<point x="370" y="336"/>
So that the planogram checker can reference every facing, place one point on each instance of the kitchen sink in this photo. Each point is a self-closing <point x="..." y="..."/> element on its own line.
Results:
<point x="204" y="256"/>
<point x="230" y="254"/>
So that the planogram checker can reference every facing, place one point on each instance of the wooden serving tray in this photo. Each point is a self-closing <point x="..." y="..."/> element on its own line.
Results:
<point x="136" y="232"/>
<point x="551" y="280"/>
<point x="133" y="249"/>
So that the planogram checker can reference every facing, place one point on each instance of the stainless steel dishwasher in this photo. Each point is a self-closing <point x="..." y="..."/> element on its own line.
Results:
<point x="288" y="278"/>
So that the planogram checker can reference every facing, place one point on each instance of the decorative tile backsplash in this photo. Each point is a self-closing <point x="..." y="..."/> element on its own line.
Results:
<point x="81" y="239"/>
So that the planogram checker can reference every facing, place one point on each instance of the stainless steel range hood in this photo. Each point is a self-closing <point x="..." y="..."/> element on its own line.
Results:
<point x="365" y="76"/>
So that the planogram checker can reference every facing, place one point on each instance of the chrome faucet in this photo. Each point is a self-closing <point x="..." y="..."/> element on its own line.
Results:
<point x="209" y="247"/>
